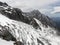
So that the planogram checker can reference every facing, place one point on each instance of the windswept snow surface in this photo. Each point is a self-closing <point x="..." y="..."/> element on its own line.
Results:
<point x="4" y="42"/>
<point x="27" y="34"/>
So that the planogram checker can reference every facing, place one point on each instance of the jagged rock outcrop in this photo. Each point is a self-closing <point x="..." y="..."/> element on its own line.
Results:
<point x="5" y="34"/>
<point x="44" y="19"/>
<point x="13" y="13"/>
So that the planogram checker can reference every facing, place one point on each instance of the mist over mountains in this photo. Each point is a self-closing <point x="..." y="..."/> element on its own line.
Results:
<point x="57" y="21"/>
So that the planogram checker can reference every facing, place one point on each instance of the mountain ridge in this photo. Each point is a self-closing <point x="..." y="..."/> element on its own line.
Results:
<point x="17" y="14"/>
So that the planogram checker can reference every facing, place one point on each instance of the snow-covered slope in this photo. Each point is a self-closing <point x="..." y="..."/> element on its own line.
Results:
<point x="4" y="42"/>
<point x="14" y="25"/>
<point x="27" y="34"/>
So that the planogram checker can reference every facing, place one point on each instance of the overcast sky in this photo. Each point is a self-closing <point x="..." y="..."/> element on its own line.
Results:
<point x="48" y="7"/>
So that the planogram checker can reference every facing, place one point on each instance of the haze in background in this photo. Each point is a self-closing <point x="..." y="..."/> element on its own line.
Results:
<point x="47" y="7"/>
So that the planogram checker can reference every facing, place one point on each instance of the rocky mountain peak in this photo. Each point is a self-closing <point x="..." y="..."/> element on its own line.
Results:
<point x="3" y="4"/>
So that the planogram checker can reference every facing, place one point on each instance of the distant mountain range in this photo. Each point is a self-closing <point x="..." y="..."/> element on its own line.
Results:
<point x="57" y="21"/>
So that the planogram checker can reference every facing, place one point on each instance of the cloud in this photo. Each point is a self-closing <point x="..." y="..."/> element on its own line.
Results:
<point x="56" y="10"/>
<point x="29" y="4"/>
<point x="45" y="10"/>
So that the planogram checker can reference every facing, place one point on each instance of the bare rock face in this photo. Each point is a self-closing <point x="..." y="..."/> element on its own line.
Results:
<point x="18" y="43"/>
<point x="41" y="17"/>
<point x="5" y="34"/>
